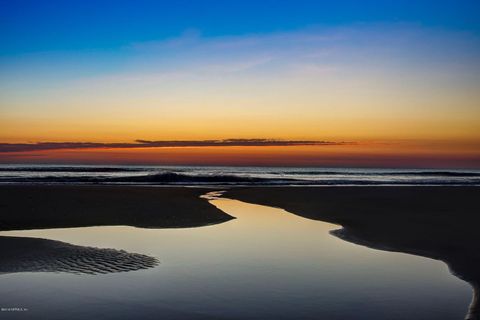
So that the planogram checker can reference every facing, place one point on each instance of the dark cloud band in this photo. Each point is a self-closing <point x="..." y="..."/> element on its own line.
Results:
<point x="38" y="146"/>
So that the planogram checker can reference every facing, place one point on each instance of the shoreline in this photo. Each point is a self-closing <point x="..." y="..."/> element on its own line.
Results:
<point x="43" y="207"/>
<point x="233" y="185"/>
<point x="439" y="222"/>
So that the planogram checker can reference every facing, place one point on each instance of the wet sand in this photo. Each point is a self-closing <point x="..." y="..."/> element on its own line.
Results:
<point x="45" y="207"/>
<point x="21" y="254"/>
<point x="435" y="222"/>
<point x="42" y="207"/>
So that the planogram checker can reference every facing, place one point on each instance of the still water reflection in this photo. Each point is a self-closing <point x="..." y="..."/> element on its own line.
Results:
<point x="266" y="264"/>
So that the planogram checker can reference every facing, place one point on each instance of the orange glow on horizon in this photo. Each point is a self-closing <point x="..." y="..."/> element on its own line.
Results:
<point x="406" y="154"/>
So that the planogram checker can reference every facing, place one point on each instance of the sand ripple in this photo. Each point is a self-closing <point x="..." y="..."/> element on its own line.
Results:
<point x="42" y="255"/>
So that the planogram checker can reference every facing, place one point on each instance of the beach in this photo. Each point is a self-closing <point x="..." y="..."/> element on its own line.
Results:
<point x="40" y="207"/>
<point x="438" y="222"/>
<point x="23" y="254"/>
<point x="45" y="207"/>
<point x="434" y="222"/>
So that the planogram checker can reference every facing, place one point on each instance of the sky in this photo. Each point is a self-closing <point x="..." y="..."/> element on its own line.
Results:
<point x="385" y="83"/>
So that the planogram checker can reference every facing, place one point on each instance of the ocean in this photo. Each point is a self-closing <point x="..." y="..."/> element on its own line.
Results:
<point x="225" y="176"/>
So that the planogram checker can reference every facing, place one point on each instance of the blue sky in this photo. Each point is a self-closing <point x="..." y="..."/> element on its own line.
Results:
<point x="36" y="26"/>
<point x="67" y="39"/>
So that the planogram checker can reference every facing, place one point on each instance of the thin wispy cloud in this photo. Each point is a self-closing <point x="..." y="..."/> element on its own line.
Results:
<point x="194" y="59"/>
<point x="38" y="146"/>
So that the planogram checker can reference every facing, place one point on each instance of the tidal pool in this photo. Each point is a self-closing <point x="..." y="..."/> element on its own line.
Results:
<point x="266" y="264"/>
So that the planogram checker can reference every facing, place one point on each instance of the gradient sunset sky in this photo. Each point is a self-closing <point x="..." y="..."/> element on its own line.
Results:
<point x="385" y="83"/>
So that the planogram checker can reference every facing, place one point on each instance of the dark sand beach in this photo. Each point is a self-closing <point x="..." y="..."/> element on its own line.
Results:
<point x="435" y="222"/>
<point x="438" y="222"/>
<point x="42" y="207"/>
<point x="42" y="255"/>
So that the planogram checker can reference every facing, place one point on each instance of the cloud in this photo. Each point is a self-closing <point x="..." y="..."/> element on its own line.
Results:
<point x="38" y="146"/>
<point x="195" y="61"/>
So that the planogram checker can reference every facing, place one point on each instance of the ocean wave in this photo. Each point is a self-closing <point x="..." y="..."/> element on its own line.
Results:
<point x="208" y="171"/>
<point x="175" y="178"/>
<point x="157" y="178"/>
<point x="68" y="169"/>
<point x="380" y="173"/>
